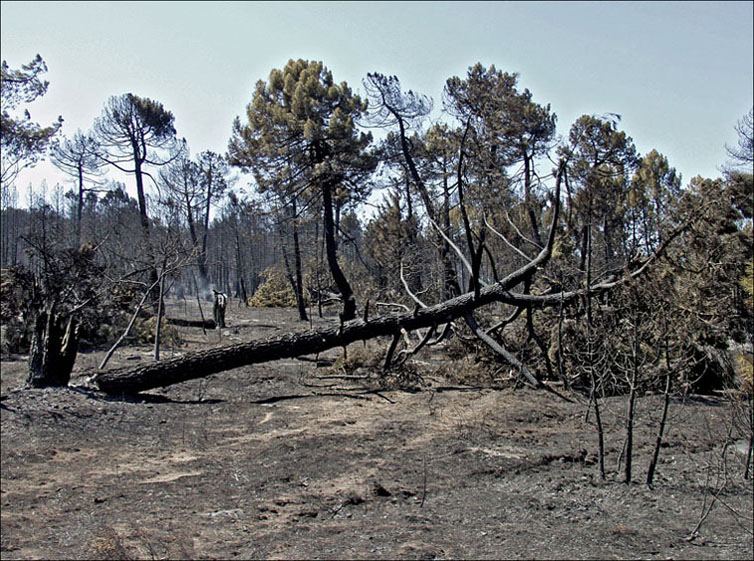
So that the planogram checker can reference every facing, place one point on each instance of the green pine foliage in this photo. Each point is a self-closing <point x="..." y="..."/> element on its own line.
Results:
<point x="275" y="291"/>
<point x="23" y="141"/>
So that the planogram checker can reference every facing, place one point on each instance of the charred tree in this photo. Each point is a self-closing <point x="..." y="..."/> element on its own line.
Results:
<point x="205" y="363"/>
<point x="53" y="349"/>
<point x="59" y="296"/>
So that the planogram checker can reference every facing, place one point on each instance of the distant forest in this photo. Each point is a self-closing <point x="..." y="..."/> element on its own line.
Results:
<point x="574" y="260"/>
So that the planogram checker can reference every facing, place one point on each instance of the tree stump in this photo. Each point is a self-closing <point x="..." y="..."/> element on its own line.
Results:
<point x="53" y="349"/>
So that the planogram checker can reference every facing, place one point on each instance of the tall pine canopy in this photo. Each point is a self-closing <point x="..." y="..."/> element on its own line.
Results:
<point x="300" y="138"/>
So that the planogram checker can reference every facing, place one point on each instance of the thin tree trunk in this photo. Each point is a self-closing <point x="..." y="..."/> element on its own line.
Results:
<point x="590" y="349"/>
<point x="145" y="229"/>
<point x="297" y="282"/>
<point x="527" y="200"/>
<point x="346" y="292"/>
<point x="630" y="430"/>
<point x="561" y="368"/>
<point x="202" y="260"/>
<point x="594" y="398"/>
<point x="450" y="277"/>
<point x="239" y="268"/>
<point x="749" y="451"/>
<point x="660" y="431"/>
<point x="80" y="206"/>
<point x="125" y="333"/>
<point x="451" y="287"/>
<point x="199" y="303"/>
<point x="160" y="311"/>
<point x="299" y="274"/>
<point x="631" y="408"/>
<point x="244" y="295"/>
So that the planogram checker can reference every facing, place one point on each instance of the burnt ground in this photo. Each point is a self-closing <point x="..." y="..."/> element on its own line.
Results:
<point x="285" y="461"/>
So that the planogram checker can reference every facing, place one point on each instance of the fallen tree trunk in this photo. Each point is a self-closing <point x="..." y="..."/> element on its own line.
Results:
<point x="178" y="322"/>
<point x="205" y="363"/>
<point x="200" y="364"/>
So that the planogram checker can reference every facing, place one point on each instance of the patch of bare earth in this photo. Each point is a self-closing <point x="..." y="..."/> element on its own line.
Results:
<point x="259" y="463"/>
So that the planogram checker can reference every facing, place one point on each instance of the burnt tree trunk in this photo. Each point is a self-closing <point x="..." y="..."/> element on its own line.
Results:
<point x="300" y="303"/>
<point x="346" y="292"/>
<point x="204" y="363"/>
<point x="53" y="349"/>
<point x="295" y="276"/>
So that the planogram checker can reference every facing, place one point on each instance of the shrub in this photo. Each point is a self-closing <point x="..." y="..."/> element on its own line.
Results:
<point x="275" y="291"/>
<point x="143" y="332"/>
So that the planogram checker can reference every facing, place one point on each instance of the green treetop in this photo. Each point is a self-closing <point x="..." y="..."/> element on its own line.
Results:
<point x="300" y="137"/>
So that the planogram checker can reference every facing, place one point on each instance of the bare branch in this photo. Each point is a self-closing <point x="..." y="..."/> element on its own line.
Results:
<point x="502" y="237"/>
<point x="408" y="290"/>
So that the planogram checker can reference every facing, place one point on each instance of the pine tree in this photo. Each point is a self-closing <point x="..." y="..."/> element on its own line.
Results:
<point x="300" y="137"/>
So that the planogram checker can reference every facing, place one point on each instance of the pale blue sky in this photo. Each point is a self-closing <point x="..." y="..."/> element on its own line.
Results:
<point x="679" y="73"/>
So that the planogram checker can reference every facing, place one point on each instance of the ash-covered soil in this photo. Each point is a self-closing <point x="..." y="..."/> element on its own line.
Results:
<point x="287" y="461"/>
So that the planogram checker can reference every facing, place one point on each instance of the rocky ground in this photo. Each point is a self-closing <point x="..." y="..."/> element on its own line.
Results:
<point x="286" y="460"/>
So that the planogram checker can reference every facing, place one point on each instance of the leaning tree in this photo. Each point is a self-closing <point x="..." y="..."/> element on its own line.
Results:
<point x="391" y="107"/>
<point x="135" y="133"/>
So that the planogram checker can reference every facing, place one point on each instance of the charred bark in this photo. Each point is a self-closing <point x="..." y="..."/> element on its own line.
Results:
<point x="53" y="349"/>
<point x="346" y="292"/>
<point x="205" y="363"/>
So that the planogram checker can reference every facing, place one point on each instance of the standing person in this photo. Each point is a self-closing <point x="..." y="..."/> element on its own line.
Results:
<point x="219" y="309"/>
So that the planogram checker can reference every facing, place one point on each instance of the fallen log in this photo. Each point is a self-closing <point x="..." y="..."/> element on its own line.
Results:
<point x="199" y="364"/>
<point x="205" y="363"/>
<point x="178" y="322"/>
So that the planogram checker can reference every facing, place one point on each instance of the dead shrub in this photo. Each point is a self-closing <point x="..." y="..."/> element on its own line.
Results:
<point x="357" y="358"/>
<point x="14" y="337"/>
<point x="741" y="397"/>
<point x="744" y="379"/>
<point x="368" y="363"/>
<point x="107" y="544"/>
<point x="469" y="370"/>
<point x="143" y="332"/>
<point x="456" y="348"/>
